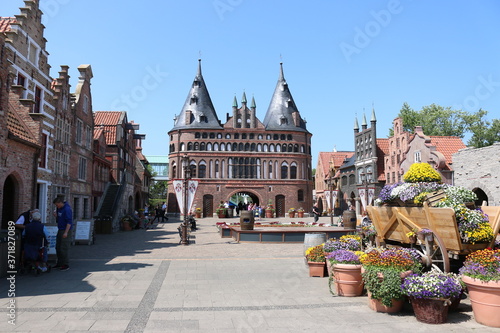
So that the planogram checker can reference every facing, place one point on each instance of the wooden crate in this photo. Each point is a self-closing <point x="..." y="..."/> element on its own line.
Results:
<point x="434" y="197"/>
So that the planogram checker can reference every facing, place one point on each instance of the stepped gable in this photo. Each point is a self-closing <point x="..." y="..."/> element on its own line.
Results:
<point x="198" y="110"/>
<point x="382" y="150"/>
<point x="282" y="114"/>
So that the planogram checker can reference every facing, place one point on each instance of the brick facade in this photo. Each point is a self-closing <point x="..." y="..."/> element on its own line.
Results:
<point x="268" y="161"/>
<point x="477" y="169"/>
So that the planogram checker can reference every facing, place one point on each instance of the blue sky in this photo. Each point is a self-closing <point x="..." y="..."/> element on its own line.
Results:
<point x="339" y="57"/>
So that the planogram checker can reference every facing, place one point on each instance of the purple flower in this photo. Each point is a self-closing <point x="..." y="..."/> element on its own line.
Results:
<point x="343" y="257"/>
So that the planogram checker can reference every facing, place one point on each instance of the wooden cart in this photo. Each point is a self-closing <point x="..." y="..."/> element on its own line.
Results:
<point x="393" y="223"/>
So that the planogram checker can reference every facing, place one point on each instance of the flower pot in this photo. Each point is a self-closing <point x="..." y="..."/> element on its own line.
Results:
<point x="291" y="214"/>
<point x="198" y="215"/>
<point x="348" y="280"/>
<point x="269" y="213"/>
<point x="376" y="305"/>
<point x="300" y="214"/>
<point x="430" y="310"/>
<point x="485" y="300"/>
<point x="126" y="225"/>
<point x="316" y="268"/>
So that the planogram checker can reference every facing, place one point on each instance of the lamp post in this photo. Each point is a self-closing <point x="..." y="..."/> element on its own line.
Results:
<point x="187" y="176"/>
<point x="330" y="187"/>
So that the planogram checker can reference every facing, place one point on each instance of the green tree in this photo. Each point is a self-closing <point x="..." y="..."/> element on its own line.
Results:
<point x="437" y="120"/>
<point x="434" y="119"/>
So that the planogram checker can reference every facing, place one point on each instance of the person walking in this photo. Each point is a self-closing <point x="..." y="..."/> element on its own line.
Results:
<point x="316" y="212"/>
<point x="64" y="217"/>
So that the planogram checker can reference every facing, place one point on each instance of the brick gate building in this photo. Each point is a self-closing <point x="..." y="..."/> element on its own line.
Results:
<point x="267" y="161"/>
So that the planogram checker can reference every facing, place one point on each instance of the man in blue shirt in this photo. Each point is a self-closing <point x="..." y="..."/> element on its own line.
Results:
<point x="64" y="217"/>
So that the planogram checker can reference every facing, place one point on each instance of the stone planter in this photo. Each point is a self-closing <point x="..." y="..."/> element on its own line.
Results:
<point x="485" y="300"/>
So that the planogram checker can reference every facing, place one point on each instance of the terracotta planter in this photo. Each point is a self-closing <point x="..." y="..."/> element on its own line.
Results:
<point x="430" y="310"/>
<point x="269" y="213"/>
<point x="316" y="268"/>
<point x="485" y="300"/>
<point x="198" y="215"/>
<point x="348" y="280"/>
<point x="376" y="305"/>
<point x="291" y="215"/>
<point x="126" y="226"/>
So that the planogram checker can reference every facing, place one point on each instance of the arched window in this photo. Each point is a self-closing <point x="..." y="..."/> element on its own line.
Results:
<point x="296" y="148"/>
<point x="247" y="146"/>
<point x="183" y="147"/>
<point x="197" y="135"/>
<point x="228" y="136"/>
<point x="202" y="170"/>
<point x="290" y="148"/>
<point x="192" y="166"/>
<point x="270" y="170"/>
<point x="174" y="171"/>
<point x="278" y="148"/>
<point x="265" y="147"/>
<point x="219" y="135"/>
<point x="293" y="171"/>
<point x="282" y="137"/>
<point x="209" y="146"/>
<point x="196" y="146"/>
<point x="252" y="147"/>
<point x="202" y="146"/>
<point x="300" y="195"/>
<point x="235" y="147"/>
<point x="259" y="147"/>
<point x="190" y="146"/>
<point x="212" y="136"/>
<point x="260" y="137"/>
<point x="217" y="175"/>
<point x="289" y="137"/>
<point x="228" y="147"/>
<point x="302" y="149"/>
<point x="283" y="149"/>
<point x="204" y="135"/>
<point x="240" y="147"/>
<point x="216" y="146"/>
<point x="284" y="170"/>
<point x="271" y="148"/>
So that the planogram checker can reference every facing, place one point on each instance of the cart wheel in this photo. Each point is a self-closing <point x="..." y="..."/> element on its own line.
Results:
<point x="434" y="253"/>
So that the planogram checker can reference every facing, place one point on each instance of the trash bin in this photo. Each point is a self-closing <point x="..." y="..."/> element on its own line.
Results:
<point x="246" y="220"/>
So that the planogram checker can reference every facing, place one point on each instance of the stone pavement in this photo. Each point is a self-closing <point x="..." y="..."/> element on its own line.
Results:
<point x="143" y="281"/>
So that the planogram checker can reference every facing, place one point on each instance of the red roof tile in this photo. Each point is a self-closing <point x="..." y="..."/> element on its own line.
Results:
<point x="5" y="23"/>
<point x="447" y="145"/>
<point x="19" y="129"/>
<point x="338" y="158"/>
<point x="108" y="121"/>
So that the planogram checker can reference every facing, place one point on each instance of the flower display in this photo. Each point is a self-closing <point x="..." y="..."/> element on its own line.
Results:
<point x="482" y="265"/>
<point x="383" y="269"/>
<point x="315" y="253"/>
<point x="402" y="259"/>
<point x="344" y="257"/>
<point x="473" y="224"/>
<point x="291" y="210"/>
<point x="346" y="242"/>
<point x="409" y="192"/>
<point x="432" y="285"/>
<point x="421" y="172"/>
<point x="300" y="210"/>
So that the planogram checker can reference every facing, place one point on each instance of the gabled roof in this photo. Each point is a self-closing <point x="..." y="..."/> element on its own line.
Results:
<point x="282" y="109"/>
<point x="18" y="128"/>
<point x="338" y="158"/>
<point x="382" y="150"/>
<point x="5" y="23"/>
<point x="199" y="103"/>
<point x="447" y="145"/>
<point x="108" y="121"/>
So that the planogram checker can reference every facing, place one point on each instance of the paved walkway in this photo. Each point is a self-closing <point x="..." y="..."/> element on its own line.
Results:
<point x="143" y="281"/>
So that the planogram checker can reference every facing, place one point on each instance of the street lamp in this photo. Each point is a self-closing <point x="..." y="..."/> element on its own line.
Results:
<point x="187" y="176"/>
<point x="330" y="187"/>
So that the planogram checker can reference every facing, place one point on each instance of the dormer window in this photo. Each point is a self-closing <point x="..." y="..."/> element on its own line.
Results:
<point x="196" y="83"/>
<point x="283" y="120"/>
<point x="194" y="100"/>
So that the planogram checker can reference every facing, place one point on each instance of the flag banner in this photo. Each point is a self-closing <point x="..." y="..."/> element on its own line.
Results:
<point x="334" y="197"/>
<point x="178" y="194"/>
<point x="192" y="187"/>
<point x="327" y="197"/>
<point x="362" y="196"/>
<point x="371" y="195"/>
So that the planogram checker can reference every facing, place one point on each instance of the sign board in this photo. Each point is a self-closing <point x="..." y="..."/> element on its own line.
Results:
<point x="83" y="231"/>
<point x="52" y="231"/>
